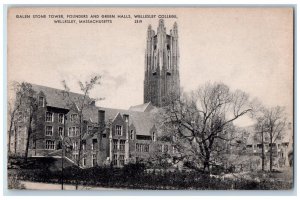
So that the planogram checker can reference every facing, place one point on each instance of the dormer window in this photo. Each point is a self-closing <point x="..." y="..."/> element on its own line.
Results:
<point x="73" y="117"/>
<point x="41" y="101"/>
<point x="118" y="130"/>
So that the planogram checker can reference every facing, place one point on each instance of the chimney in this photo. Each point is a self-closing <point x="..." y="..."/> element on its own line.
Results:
<point x="101" y="117"/>
<point x="126" y="118"/>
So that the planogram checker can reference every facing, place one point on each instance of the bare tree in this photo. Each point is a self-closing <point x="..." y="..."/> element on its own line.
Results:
<point x="274" y="122"/>
<point x="25" y="102"/>
<point x="202" y="122"/>
<point x="260" y="129"/>
<point x="79" y="104"/>
<point x="13" y="108"/>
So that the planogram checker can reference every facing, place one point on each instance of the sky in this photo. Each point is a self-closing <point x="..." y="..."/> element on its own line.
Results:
<point x="250" y="49"/>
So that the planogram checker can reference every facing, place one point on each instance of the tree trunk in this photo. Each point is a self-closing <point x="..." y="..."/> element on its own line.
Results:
<point x="16" y="140"/>
<point x="271" y="155"/>
<point x="206" y="164"/>
<point x="10" y="131"/>
<point x="9" y="138"/>
<point x="28" y="137"/>
<point x="262" y="152"/>
<point x="79" y="151"/>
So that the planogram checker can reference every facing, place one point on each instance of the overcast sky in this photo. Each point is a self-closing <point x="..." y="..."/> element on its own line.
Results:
<point x="246" y="48"/>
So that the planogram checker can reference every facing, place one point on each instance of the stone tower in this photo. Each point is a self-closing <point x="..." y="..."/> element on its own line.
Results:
<point x="161" y="65"/>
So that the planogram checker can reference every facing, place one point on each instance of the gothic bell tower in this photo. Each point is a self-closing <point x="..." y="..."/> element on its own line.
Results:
<point x="161" y="65"/>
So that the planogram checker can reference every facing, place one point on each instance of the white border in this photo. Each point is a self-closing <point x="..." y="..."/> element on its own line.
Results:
<point x="278" y="195"/>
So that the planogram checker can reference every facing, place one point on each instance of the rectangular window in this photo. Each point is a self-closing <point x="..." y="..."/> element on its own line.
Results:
<point x="103" y="135"/>
<point x="61" y="118"/>
<point x="122" y="160"/>
<point x="70" y="131"/>
<point x="115" y="144"/>
<point x="60" y="131"/>
<point x="41" y="101"/>
<point x="146" y="147"/>
<point x="49" y="130"/>
<point x="73" y="131"/>
<point x="75" y="156"/>
<point x="83" y="145"/>
<point x="153" y="136"/>
<point x="142" y="147"/>
<point x="132" y="134"/>
<point x="137" y="147"/>
<point x="83" y="161"/>
<point x="143" y="137"/>
<point x="74" y="146"/>
<point x="76" y="131"/>
<point x="94" y="160"/>
<point x="94" y="144"/>
<point x="122" y="145"/>
<point x="49" y="117"/>
<point x="50" y="144"/>
<point x="73" y="117"/>
<point x="118" y="130"/>
<point x="115" y="159"/>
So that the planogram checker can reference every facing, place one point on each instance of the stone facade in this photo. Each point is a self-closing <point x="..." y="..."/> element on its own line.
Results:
<point x="108" y="136"/>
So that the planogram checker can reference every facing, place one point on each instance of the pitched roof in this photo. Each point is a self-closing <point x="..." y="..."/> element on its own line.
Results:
<point x="140" y="116"/>
<point x="56" y="97"/>
<point x="146" y="107"/>
<point x="143" y="122"/>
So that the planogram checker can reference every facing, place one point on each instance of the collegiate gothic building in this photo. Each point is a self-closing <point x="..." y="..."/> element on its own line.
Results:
<point x="109" y="136"/>
<point x="113" y="136"/>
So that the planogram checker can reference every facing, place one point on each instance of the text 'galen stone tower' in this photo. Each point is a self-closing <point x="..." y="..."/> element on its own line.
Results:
<point x="161" y="65"/>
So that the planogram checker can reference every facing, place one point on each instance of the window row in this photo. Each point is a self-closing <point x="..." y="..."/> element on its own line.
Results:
<point x="84" y="159"/>
<point x="142" y="147"/>
<point x="119" y="145"/>
<point x="50" y="117"/>
<point x="121" y="160"/>
<point x="49" y="131"/>
<point x="73" y="131"/>
<point x="163" y="148"/>
<point x="50" y="144"/>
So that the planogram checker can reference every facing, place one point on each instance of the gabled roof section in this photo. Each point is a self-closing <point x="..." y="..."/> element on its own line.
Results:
<point x="141" y="116"/>
<point x="146" y="107"/>
<point x="57" y="98"/>
<point x="142" y="121"/>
